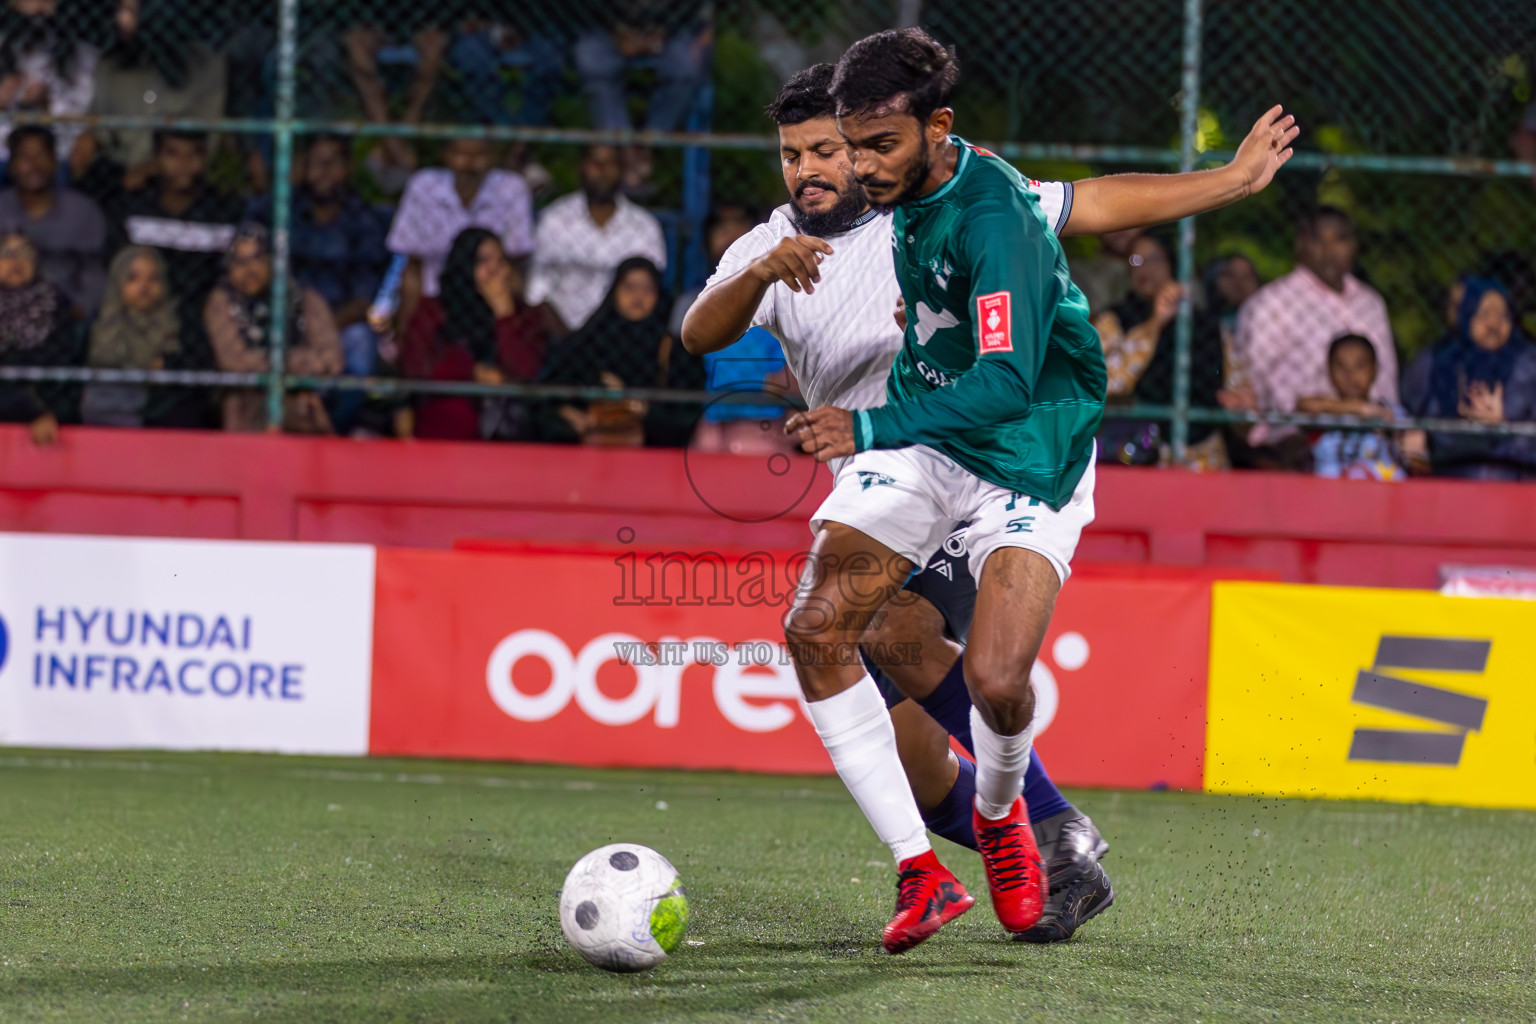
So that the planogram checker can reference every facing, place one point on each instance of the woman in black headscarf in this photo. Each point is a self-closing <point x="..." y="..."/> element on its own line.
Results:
<point x="478" y="328"/>
<point x="1485" y="371"/>
<point x="625" y="344"/>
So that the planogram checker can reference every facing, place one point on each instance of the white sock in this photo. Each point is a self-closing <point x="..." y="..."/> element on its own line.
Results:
<point x="856" y="729"/>
<point x="1000" y="764"/>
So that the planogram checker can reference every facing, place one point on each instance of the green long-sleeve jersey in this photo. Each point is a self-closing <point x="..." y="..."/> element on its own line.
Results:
<point x="1000" y="368"/>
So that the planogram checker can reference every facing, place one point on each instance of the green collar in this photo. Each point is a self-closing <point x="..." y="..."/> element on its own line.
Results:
<point x="960" y="164"/>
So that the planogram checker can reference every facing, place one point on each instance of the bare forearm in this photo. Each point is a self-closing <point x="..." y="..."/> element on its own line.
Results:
<point x="350" y="312"/>
<point x="1316" y="405"/>
<point x="722" y="314"/>
<point x="1121" y="201"/>
<point x="1327" y="405"/>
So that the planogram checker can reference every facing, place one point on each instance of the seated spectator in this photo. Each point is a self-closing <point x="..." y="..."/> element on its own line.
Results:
<point x="138" y="329"/>
<point x="1352" y="454"/>
<point x="440" y="202"/>
<point x="154" y="66"/>
<point x="727" y="221"/>
<point x="1285" y="329"/>
<point x="181" y="214"/>
<point x="1486" y="373"/>
<point x="375" y="25"/>
<point x="192" y="225"/>
<point x="67" y="229"/>
<point x="754" y="365"/>
<point x="677" y="38"/>
<point x="35" y="330"/>
<point x="625" y="344"/>
<point x="476" y="329"/>
<point x="1230" y="282"/>
<point x="1105" y="278"/>
<point x="583" y="237"/>
<point x="44" y="66"/>
<point x="336" y="245"/>
<point x="238" y="317"/>
<point x="1138" y="335"/>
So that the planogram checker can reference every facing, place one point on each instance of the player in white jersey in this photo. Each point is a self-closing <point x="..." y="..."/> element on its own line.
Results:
<point x="819" y="276"/>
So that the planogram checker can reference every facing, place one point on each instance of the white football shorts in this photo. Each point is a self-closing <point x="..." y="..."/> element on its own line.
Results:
<point x="911" y="499"/>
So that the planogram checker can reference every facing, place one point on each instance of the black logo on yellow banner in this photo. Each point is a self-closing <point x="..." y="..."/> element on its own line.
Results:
<point x="1463" y="712"/>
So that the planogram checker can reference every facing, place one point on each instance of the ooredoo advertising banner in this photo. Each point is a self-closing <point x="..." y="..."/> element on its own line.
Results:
<point x="1374" y="694"/>
<point x="673" y="660"/>
<point x="113" y="642"/>
<point x="567" y="658"/>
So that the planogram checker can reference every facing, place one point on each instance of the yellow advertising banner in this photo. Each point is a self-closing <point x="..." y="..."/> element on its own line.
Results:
<point x="1372" y="694"/>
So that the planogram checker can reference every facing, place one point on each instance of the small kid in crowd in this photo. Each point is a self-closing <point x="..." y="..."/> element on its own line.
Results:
<point x="1353" y="454"/>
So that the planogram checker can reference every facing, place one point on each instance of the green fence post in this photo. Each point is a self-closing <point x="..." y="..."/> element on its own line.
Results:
<point x="1189" y="126"/>
<point x="282" y="164"/>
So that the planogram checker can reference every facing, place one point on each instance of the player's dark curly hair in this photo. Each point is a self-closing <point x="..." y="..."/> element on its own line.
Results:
<point x="805" y="97"/>
<point x="905" y="65"/>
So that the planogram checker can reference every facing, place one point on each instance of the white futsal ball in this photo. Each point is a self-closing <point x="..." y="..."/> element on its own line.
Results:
<point x="623" y="908"/>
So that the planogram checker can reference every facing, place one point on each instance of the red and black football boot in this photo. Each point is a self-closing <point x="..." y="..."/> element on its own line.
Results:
<point x="1015" y="871"/>
<point x="927" y="898"/>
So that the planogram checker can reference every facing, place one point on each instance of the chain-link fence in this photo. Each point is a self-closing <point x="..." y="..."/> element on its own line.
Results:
<point x="477" y="220"/>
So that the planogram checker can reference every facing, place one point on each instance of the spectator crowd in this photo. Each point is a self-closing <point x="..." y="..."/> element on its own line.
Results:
<point x="123" y="249"/>
<point x="1317" y="341"/>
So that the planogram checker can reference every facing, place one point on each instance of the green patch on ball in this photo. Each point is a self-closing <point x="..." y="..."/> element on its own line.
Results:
<point x="669" y="919"/>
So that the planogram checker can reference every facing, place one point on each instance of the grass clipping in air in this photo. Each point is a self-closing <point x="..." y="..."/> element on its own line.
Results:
<point x="139" y="887"/>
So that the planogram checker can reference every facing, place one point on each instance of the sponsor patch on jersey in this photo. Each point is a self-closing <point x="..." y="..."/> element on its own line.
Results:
<point x="994" y="322"/>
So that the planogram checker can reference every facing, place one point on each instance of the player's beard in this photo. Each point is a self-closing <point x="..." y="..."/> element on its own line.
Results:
<point x="849" y="207"/>
<point x="910" y="186"/>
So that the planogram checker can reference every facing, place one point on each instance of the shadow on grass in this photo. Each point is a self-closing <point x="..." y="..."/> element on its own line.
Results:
<point x="542" y="985"/>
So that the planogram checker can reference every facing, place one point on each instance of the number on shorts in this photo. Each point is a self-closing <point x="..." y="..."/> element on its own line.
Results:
<point x="1013" y="501"/>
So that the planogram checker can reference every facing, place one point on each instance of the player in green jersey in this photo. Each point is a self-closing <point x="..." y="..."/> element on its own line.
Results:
<point x="991" y="411"/>
<point x="841" y="345"/>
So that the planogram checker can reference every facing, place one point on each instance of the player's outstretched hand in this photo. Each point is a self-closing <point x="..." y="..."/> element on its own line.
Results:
<point x="1266" y="149"/>
<point x="826" y="433"/>
<point x="796" y="261"/>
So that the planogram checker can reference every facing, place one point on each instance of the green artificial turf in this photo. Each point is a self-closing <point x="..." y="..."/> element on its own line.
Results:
<point x="138" y="887"/>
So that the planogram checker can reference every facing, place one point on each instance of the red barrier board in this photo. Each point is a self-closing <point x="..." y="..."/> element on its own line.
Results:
<point x="522" y="656"/>
<point x="424" y="494"/>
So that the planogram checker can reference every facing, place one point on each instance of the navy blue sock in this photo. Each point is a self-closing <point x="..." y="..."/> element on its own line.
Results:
<point x="950" y="705"/>
<point x="952" y="818"/>
<point x="1041" y="796"/>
